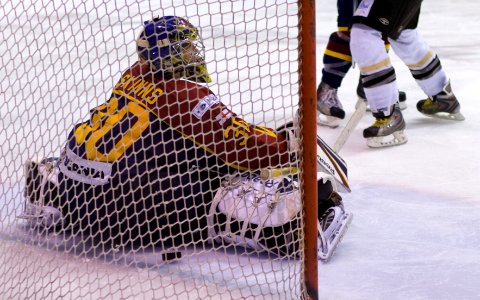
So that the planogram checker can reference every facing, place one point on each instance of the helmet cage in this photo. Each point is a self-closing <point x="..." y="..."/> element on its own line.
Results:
<point x="174" y="46"/>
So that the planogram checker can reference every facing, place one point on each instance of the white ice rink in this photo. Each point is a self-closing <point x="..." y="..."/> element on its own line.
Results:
<point x="416" y="227"/>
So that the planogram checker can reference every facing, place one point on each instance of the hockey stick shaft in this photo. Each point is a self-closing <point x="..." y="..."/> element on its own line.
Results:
<point x="357" y="115"/>
<point x="271" y="173"/>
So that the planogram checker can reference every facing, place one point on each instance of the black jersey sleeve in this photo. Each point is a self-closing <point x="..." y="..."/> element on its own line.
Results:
<point x="390" y="17"/>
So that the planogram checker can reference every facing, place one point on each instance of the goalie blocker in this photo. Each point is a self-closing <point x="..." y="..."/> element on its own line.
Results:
<point x="247" y="211"/>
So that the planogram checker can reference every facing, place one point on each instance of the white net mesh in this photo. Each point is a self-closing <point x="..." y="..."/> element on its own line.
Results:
<point x="140" y="156"/>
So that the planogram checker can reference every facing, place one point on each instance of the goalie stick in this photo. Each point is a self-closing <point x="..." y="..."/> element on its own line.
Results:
<point x="277" y="172"/>
<point x="328" y="159"/>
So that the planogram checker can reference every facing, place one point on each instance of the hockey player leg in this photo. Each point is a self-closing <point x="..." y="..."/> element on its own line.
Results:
<point x="337" y="61"/>
<point x="248" y="210"/>
<point x="425" y="66"/>
<point x="401" y="103"/>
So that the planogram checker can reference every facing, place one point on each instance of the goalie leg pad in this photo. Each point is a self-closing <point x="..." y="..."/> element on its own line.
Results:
<point x="331" y="229"/>
<point x="264" y="215"/>
<point x="256" y="214"/>
<point x="43" y="216"/>
<point x="40" y="175"/>
<point x="41" y="183"/>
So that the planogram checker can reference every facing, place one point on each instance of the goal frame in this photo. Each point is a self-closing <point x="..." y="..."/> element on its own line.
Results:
<point x="307" y="99"/>
<point x="40" y="52"/>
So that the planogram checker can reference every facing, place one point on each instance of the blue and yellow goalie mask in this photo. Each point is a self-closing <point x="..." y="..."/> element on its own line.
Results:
<point x="174" y="46"/>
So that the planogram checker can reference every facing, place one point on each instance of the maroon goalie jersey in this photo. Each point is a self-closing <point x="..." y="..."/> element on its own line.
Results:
<point x="150" y="122"/>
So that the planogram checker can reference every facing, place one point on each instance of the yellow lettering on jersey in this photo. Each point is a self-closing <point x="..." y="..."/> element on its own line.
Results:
<point x="242" y="128"/>
<point x="239" y="128"/>
<point x="144" y="92"/>
<point x="139" y="85"/>
<point x="106" y="116"/>
<point x="81" y="132"/>
<point x="110" y="118"/>
<point x="157" y="92"/>
<point x="267" y="131"/>
<point x="142" y="88"/>
<point x="123" y="80"/>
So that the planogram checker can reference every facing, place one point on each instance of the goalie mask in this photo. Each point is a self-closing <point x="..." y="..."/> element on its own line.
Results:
<point x="173" y="45"/>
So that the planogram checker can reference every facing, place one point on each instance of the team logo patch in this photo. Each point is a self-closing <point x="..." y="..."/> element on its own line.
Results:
<point x="200" y="109"/>
<point x="223" y="116"/>
<point x="204" y="104"/>
<point x="212" y="99"/>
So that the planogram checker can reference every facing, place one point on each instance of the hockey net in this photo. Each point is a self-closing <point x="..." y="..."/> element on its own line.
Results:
<point x="58" y="61"/>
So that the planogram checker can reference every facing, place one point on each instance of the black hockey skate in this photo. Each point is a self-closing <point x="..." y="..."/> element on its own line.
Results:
<point x="387" y="130"/>
<point x="329" y="108"/>
<point x="444" y="105"/>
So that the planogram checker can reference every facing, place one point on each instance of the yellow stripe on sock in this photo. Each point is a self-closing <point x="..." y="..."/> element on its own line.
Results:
<point x="368" y="69"/>
<point x="338" y="55"/>
<point x="423" y="61"/>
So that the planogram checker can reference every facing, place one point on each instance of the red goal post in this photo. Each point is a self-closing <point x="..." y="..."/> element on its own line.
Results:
<point x="308" y="106"/>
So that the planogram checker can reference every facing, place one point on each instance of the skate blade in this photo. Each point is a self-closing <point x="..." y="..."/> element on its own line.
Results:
<point x="447" y="116"/>
<point x="328" y="121"/>
<point x="336" y="238"/>
<point x="395" y="139"/>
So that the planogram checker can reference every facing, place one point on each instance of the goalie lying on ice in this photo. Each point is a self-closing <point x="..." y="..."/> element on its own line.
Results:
<point x="165" y="163"/>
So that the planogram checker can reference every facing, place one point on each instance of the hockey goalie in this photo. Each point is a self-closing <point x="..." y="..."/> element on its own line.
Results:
<point x="164" y="163"/>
